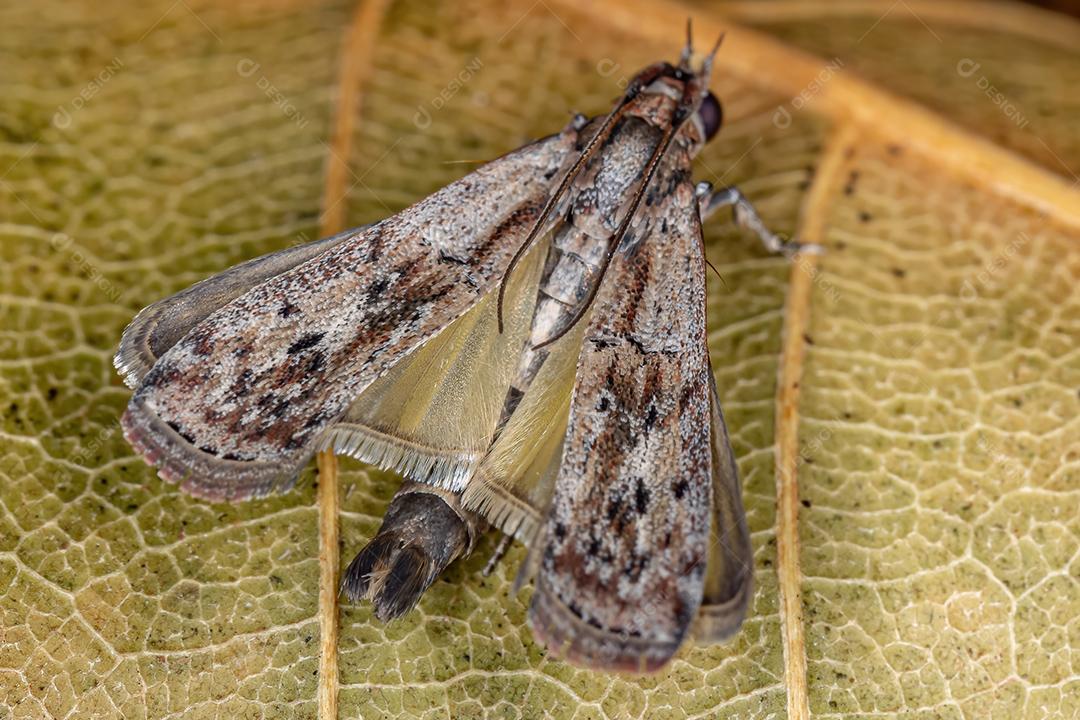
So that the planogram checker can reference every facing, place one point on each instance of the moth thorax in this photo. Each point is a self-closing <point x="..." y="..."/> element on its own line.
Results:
<point x="665" y="86"/>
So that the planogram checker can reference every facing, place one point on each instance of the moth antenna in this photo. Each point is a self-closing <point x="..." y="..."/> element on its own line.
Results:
<point x="682" y="112"/>
<point x="706" y="66"/>
<point x="572" y="173"/>
<point x="688" y="50"/>
<point x="636" y="86"/>
<point x="718" y="275"/>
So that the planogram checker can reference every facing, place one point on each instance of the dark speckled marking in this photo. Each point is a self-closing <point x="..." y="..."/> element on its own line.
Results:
<point x="641" y="497"/>
<point x="639" y="428"/>
<point x="300" y="345"/>
<point x="305" y="342"/>
<point x="180" y="432"/>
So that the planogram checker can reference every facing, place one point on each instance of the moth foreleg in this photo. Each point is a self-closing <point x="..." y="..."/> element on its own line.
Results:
<point x="746" y="216"/>
<point x="425" y="528"/>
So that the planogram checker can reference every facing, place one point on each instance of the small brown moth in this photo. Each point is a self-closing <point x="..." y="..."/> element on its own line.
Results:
<point x="526" y="345"/>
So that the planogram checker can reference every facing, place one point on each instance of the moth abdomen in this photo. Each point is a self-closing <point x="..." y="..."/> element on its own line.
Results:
<point x="424" y="530"/>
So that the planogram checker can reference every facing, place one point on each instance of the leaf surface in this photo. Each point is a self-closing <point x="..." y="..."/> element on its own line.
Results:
<point x="904" y="410"/>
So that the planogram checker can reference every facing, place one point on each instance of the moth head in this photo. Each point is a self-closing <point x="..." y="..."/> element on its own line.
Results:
<point x="705" y="110"/>
<point x="709" y="114"/>
<point x="679" y="94"/>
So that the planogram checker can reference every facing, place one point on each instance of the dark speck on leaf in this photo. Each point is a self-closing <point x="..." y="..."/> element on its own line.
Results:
<point x="853" y="178"/>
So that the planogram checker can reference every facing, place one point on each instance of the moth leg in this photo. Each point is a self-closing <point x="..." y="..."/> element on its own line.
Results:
<point x="746" y="216"/>
<point x="496" y="556"/>
<point x="424" y="530"/>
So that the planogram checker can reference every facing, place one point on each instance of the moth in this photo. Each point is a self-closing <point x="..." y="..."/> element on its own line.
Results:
<point x="526" y="346"/>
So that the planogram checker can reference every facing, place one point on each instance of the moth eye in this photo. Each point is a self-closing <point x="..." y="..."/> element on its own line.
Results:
<point x="712" y="115"/>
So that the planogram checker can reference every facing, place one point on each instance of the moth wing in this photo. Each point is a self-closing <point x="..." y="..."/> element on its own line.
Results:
<point x="513" y="483"/>
<point x="625" y="541"/>
<point x="730" y="567"/>
<point x="239" y="404"/>
<point x="431" y="416"/>
<point x="159" y="326"/>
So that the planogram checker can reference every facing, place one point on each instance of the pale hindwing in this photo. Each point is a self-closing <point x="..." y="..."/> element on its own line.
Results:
<point x="431" y="417"/>
<point x="625" y="541"/>
<point x="730" y="570"/>
<point x="159" y="326"/>
<point x="513" y="484"/>
<point x="237" y="406"/>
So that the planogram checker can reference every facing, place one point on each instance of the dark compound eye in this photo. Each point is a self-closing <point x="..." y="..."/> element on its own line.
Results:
<point x="711" y="114"/>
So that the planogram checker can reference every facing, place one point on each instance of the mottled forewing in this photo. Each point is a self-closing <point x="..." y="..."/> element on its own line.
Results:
<point x="239" y="404"/>
<point x="159" y="326"/>
<point x="626" y="538"/>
